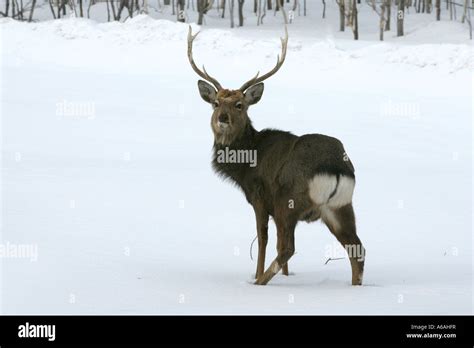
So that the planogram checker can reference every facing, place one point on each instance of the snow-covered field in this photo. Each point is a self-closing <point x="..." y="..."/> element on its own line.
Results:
<point x="106" y="150"/>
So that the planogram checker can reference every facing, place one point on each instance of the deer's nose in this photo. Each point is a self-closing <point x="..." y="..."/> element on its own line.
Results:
<point x="224" y="118"/>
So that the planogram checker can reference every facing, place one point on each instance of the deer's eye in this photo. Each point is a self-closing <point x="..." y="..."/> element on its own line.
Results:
<point x="215" y="104"/>
<point x="238" y="105"/>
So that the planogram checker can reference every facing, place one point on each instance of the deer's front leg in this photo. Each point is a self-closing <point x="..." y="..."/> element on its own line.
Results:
<point x="286" y="234"/>
<point x="262" y="235"/>
<point x="284" y="269"/>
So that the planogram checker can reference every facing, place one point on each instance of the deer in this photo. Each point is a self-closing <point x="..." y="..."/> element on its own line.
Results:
<point x="296" y="178"/>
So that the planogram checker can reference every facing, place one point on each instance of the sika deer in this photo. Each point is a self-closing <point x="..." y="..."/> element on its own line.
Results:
<point x="294" y="178"/>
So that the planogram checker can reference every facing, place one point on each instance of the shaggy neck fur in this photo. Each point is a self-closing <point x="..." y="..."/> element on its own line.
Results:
<point x="237" y="172"/>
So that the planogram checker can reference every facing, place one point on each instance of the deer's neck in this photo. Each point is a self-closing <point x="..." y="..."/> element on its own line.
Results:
<point x="237" y="161"/>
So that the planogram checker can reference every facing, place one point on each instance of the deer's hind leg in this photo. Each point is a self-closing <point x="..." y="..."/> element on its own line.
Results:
<point x="341" y="222"/>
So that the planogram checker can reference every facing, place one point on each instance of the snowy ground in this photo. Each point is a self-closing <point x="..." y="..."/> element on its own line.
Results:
<point x="128" y="217"/>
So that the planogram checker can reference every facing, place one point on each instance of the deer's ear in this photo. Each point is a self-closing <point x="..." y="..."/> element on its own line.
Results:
<point x="207" y="91"/>
<point x="254" y="94"/>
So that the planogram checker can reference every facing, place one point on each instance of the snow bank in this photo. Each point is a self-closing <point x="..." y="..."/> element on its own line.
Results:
<point x="145" y="36"/>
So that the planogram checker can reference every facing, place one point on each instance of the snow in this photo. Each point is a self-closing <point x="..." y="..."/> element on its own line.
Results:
<point x="129" y="218"/>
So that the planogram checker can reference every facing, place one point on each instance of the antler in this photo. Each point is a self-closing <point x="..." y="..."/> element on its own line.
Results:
<point x="280" y="61"/>
<point x="202" y="73"/>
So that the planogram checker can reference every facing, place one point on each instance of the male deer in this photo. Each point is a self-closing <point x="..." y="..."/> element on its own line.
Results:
<point x="298" y="178"/>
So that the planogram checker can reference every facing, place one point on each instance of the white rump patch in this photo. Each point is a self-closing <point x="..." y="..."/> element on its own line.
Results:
<point x="322" y="186"/>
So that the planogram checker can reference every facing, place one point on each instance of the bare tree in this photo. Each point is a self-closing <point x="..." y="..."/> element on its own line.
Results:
<point x="259" y="12"/>
<point x="52" y="8"/>
<point x="201" y="4"/>
<point x="81" y="9"/>
<point x="381" y="13"/>
<point x="389" y="14"/>
<point x="30" y="18"/>
<point x="465" y="9"/>
<point x="355" y="20"/>
<point x="342" y="14"/>
<point x="7" y="7"/>
<point x="114" y="14"/>
<point x="231" y="13"/>
<point x="180" y="12"/>
<point x="241" y="12"/>
<point x="400" y="17"/>
<point x="108" y="10"/>
<point x="438" y="10"/>
<point x="223" y="8"/>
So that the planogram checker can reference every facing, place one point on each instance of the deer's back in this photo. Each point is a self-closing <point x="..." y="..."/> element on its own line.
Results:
<point x="289" y="156"/>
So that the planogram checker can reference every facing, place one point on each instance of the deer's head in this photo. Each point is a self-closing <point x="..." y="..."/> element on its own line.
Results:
<point x="229" y="118"/>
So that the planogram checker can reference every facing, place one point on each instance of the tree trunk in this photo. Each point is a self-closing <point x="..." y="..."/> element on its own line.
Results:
<point x="355" y="21"/>
<point x="231" y="12"/>
<point x="342" y="15"/>
<point x="180" y="11"/>
<point x="389" y="14"/>
<point x="7" y="7"/>
<point x="324" y="8"/>
<point x="33" y="4"/>
<point x="241" y="13"/>
<point x="114" y="15"/>
<point x="382" y="19"/>
<point x="438" y="10"/>
<point x="269" y="4"/>
<point x="400" y="17"/>
<point x="120" y="9"/>
<point x="108" y="11"/>
<point x="464" y="14"/>
<point x="223" y="8"/>
<point x="20" y="12"/>
<point x="259" y="12"/>
<point x="52" y="8"/>
<point x="200" y="7"/>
